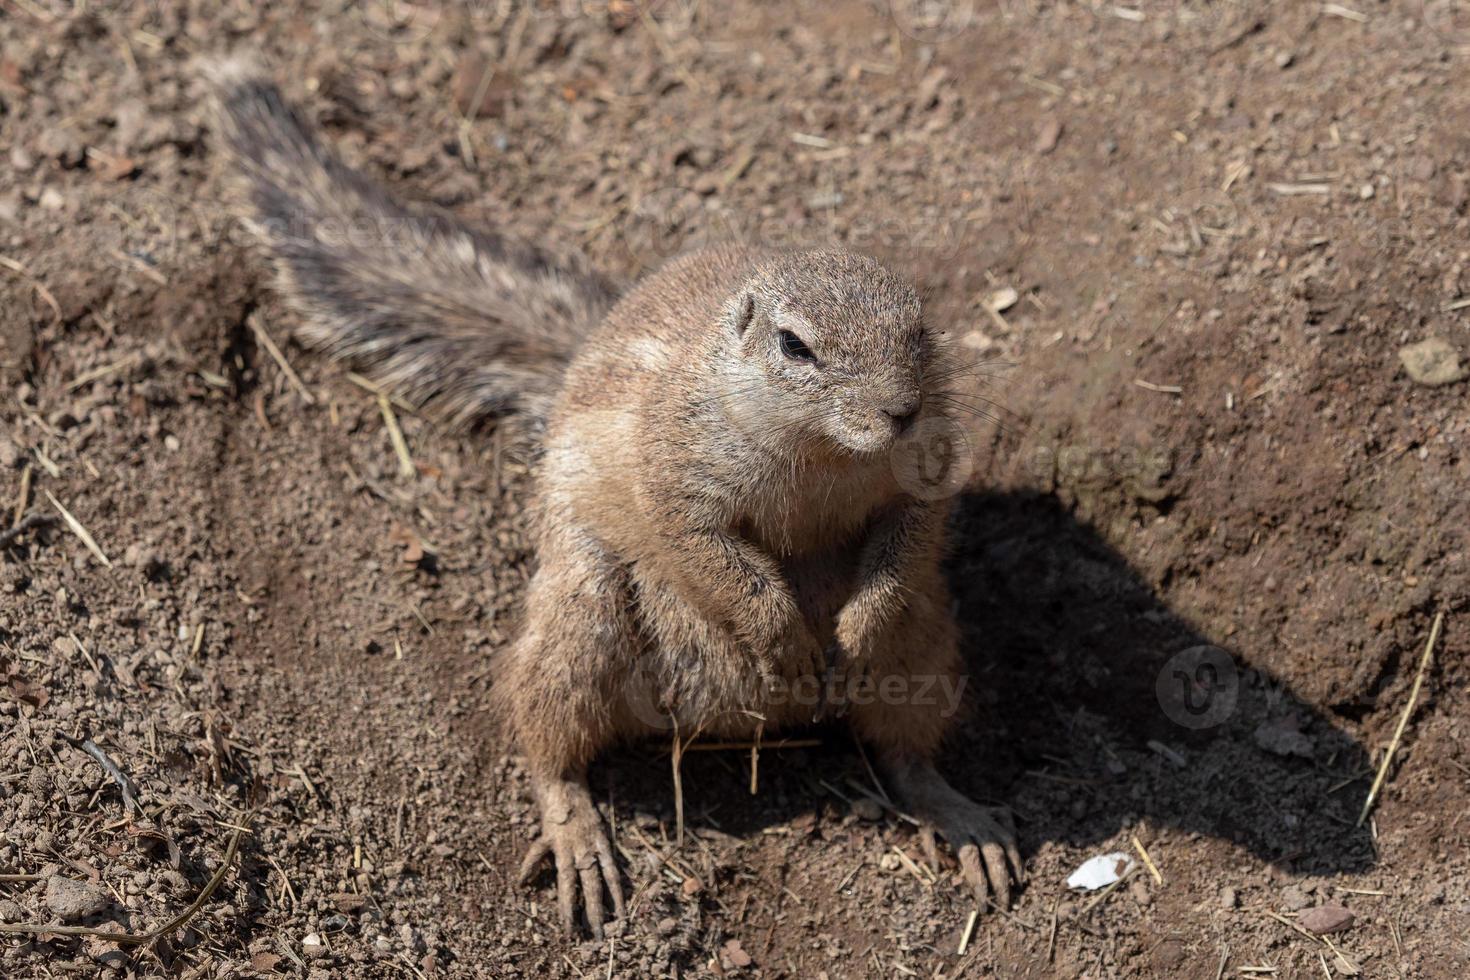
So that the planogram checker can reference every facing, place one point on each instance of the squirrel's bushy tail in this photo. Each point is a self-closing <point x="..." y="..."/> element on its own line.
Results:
<point x="468" y="322"/>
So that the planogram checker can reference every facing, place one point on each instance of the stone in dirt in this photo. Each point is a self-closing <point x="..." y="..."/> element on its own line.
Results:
<point x="1325" y="919"/>
<point x="1432" y="362"/>
<point x="734" y="956"/>
<point x="1284" y="736"/>
<point x="71" y="900"/>
<point x="1048" y="134"/>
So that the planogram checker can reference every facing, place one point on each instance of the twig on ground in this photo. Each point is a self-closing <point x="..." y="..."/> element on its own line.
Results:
<point x="22" y="496"/>
<point x="395" y="435"/>
<point x="783" y="743"/>
<point x="912" y="868"/>
<point x="969" y="931"/>
<point x="1148" y="861"/>
<point x="97" y="374"/>
<point x="755" y="759"/>
<point x="79" y="530"/>
<point x="27" y="523"/>
<point x="873" y="774"/>
<point x="36" y="284"/>
<point x="141" y="939"/>
<point x="124" y="783"/>
<point x="369" y="385"/>
<point x="1398" y="732"/>
<point x="679" y="870"/>
<point x="1105" y="893"/>
<point x="275" y="352"/>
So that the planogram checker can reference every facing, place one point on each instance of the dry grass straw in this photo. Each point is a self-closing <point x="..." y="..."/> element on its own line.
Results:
<point x="80" y="531"/>
<point x="142" y="939"/>
<point x="264" y="339"/>
<point x="1398" y="732"/>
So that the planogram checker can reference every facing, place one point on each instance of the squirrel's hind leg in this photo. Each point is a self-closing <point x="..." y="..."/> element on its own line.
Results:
<point x="913" y="697"/>
<point x="559" y="688"/>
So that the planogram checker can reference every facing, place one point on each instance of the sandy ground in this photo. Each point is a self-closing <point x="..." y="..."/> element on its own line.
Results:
<point x="1222" y="223"/>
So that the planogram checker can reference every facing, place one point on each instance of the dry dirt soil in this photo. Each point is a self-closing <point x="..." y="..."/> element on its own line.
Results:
<point x="1221" y="222"/>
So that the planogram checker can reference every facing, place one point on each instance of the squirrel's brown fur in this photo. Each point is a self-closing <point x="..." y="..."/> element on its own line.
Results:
<point x="718" y="521"/>
<point x="470" y="322"/>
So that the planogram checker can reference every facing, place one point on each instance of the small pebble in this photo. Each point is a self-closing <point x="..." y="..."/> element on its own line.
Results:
<point x="1432" y="362"/>
<point x="1326" y="919"/>
<point x="71" y="900"/>
<point x="733" y="955"/>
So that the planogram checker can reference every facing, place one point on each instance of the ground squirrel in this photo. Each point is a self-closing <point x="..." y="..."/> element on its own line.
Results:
<point x="724" y="544"/>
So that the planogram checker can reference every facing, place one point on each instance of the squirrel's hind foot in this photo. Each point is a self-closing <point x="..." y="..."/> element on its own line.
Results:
<point x="572" y="834"/>
<point x="983" y="838"/>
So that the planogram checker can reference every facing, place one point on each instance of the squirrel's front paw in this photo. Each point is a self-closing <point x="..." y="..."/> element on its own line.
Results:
<point x="786" y="649"/>
<point x="801" y="654"/>
<point x="859" y="628"/>
<point x="572" y="833"/>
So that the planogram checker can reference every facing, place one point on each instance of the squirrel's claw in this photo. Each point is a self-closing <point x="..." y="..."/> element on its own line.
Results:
<point x="983" y="839"/>
<point x="986" y="849"/>
<point x="583" y="857"/>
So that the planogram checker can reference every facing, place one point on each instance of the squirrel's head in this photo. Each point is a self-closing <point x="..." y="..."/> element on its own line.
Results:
<point x="832" y="349"/>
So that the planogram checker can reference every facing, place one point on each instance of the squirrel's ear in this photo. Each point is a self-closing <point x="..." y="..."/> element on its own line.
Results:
<point x="739" y="312"/>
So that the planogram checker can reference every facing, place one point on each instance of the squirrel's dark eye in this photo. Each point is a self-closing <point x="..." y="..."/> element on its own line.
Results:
<point x="795" y="348"/>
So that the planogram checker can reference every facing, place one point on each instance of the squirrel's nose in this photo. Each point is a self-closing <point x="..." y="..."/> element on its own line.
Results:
<point x="903" y="413"/>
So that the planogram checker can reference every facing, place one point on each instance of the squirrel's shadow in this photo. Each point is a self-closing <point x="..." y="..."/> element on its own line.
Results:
<point x="1094" y="709"/>
<point x="1093" y="718"/>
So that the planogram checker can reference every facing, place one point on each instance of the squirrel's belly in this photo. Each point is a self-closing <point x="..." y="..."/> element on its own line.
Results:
<point x="692" y="675"/>
<point x="704" y="699"/>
